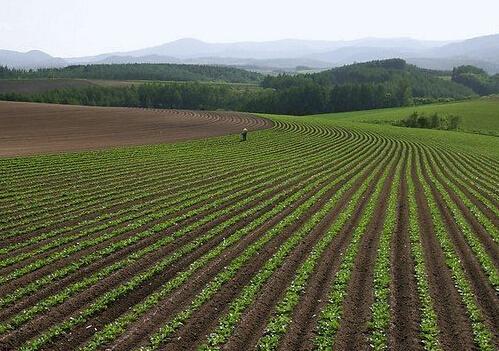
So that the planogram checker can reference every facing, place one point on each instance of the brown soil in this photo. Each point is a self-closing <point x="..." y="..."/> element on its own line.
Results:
<point x="116" y="278"/>
<point x="484" y="293"/>
<point x="47" y="126"/>
<point x="190" y="288"/>
<point x="206" y="318"/>
<point x="30" y="128"/>
<point x="444" y="166"/>
<point x="404" y="301"/>
<point x="6" y="288"/>
<point x="452" y="319"/>
<point x="353" y="331"/>
<point x="253" y="323"/>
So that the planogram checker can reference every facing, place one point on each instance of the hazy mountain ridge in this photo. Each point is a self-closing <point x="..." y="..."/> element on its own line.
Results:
<point x="30" y="59"/>
<point x="288" y="53"/>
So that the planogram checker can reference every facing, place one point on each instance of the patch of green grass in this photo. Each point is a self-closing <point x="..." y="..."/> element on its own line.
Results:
<point x="479" y="116"/>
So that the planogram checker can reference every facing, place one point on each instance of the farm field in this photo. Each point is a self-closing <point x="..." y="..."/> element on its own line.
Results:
<point x="319" y="232"/>
<point x="29" y="128"/>
<point x="478" y="115"/>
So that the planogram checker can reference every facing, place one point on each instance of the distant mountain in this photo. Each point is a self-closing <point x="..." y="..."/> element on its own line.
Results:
<point x="400" y="43"/>
<point x="446" y="64"/>
<point x="193" y="48"/>
<point x="482" y="52"/>
<point x="288" y="54"/>
<point x="30" y="59"/>
<point x="185" y="49"/>
<point x="484" y="48"/>
<point x="352" y="54"/>
<point x="140" y="59"/>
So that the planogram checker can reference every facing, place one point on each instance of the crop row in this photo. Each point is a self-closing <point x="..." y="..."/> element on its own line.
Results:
<point x="102" y="302"/>
<point x="330" y="317"/>
<point x="259" y="194"/>
<point x="482" y="335"/>
<point x="249" y="292"/>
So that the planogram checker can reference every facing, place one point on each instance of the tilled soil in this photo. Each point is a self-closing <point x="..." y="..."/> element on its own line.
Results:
<point x="32" y="128"/>
<point x="317" y="156"/>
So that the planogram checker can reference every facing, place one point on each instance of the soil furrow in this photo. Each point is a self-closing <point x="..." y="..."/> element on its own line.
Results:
<point x="488" y="243"/>
<point x="483" y="188"/>
<point x="206" y="318"/>
<point x="484" y="292"/>
<point x="109" y="259"/>
<point x="453" y="322"/>
<point x="159" y="254"/>
<point x="353" y="331"/>
<point x="33" y="327"/>
<point x="252" y="325"/>
<point x="404" y="301"/>
<point x="79" y="335"/>
<point x="485" y="210"/>
<point x="119" y="254"/>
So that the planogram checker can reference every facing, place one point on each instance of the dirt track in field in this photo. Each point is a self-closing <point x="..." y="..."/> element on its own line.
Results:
<point x="31" y="128"/>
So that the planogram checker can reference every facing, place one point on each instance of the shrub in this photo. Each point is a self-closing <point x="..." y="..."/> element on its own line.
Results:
<point x="433" y="121"/>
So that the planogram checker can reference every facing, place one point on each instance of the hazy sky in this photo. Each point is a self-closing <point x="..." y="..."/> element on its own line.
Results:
<point x="86" y="27"/>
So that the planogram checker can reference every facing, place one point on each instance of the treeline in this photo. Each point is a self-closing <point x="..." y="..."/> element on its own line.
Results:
<point x="145" y="71"/>
<point x="302" y="100"/>
<point x="476" y="79"/>
<point x="392" y="74"/>
<point x="432" y="121"/>
<point x="378" y="84"/>
<point x="189" y="95"/>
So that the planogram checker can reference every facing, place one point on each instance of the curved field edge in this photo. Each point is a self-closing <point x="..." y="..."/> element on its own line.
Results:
<point x="451" y="140"/>
<point x="258" y="249"/>
<point x="478" y="115"/>
<point x="36" y="128"/>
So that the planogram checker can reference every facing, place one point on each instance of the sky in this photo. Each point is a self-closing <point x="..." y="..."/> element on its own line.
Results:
<point x="71" y="28"/>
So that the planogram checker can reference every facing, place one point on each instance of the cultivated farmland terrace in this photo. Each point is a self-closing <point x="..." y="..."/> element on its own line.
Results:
<point x="30" y="128"/>
<point x="318" y="233"/>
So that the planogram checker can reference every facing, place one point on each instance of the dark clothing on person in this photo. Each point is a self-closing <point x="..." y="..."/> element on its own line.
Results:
<point x="244" y="133"/>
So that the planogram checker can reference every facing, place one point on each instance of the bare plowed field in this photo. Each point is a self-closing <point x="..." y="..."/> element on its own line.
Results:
<point x="28" y="128"/>
<point x="310" y="236"/>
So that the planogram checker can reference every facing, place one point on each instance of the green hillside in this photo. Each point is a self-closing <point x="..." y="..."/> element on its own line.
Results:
<point x="478" y="115"/>
<point x="145" y="71"/>
<point x="357" y="87"/>
<point x="384" y="80"/>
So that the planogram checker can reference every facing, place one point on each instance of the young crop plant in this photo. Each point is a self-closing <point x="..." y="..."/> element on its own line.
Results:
<point x="475" y="244"/>
<point x="122" y="244"/>
<point x="102" y="302"/>
<point x="380" y="318"/>
<point x="490" y="228"/>
<point x="482" y="335"/>
<point x="330" y="317"/>
<point x="68" y="324"/>
<point x="281" y="320"/>
<point x="95" y="278"/>
<point x="215" y="244"/>
<point x="428" y="325"/>
<point x="118" y="327"/>
<point x="237" y="307"/>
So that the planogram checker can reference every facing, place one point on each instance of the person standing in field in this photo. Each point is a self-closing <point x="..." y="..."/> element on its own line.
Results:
<point x="244" y="133"/>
